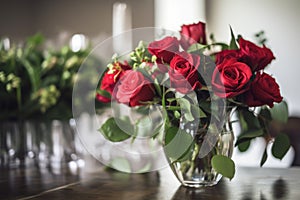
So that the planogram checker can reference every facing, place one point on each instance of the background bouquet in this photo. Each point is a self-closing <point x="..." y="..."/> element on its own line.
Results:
<point x="37" y="83"/>
<point x="202" y="89"/>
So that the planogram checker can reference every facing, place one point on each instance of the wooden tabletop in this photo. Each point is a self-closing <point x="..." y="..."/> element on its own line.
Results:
<point x="99" y="183"/>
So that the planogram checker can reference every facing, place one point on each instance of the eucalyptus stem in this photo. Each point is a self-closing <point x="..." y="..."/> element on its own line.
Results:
<point x="165" y="114"/>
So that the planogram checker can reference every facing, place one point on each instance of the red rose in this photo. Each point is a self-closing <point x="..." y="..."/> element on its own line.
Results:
<point x="110" y="79"/>
<point x="133" y="89"/>
<point x="263" y="91"/>
<point x="227" y="54"/>
<point x="256" y="57"/>
<point x="231" y="78"/>
<point x="267" y="59"/>
<point x="183" y="72"/>
<point x="191" y="34"/>
<point x="164" y="49"/>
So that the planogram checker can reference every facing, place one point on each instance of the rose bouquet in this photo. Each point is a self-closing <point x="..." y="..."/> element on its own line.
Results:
<point x="202" y="89"/>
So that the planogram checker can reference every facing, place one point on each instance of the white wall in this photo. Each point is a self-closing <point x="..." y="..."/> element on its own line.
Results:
<point x="280" y="19"/>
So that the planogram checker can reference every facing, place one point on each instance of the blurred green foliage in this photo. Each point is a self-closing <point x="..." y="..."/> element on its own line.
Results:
<point x="36" y="83"/>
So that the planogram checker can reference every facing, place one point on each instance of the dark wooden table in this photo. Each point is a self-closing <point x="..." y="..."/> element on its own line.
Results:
<point x="98" y="183"/>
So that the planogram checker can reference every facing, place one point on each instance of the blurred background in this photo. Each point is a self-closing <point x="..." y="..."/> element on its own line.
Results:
<point x="93" y="20"/>
<point x="58" y="20"/>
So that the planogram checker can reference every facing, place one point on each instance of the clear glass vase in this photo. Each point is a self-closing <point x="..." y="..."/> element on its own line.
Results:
<point x="194" y="169"/>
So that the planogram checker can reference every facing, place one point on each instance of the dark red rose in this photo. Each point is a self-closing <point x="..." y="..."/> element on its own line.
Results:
<point x="267" y="59"/>
<point x="254" y="56"/>
<point x="263" y="91"/>
<point x="191" y="34"/>
<point x="133" y="89"/>
<point x="110" y="78"/>
<point x="164" y="49"/>
<point x="231" y="78"/>
<point x="183" y="72"/>
<point x="227" y="54"/>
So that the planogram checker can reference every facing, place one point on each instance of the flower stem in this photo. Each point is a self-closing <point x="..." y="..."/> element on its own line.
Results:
<point x="165" y="114"/>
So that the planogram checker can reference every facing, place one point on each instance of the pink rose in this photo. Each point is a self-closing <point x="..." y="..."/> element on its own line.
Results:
<point x="133" y="89"/>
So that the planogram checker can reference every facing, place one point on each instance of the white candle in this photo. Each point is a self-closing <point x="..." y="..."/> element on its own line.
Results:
<point x="122" y="23"/>
<point x="181" y="12"/>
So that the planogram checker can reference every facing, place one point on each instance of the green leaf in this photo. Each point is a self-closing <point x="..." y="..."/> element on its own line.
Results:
<point x="186" y="108"/>
<point x="111" y="130"/>
<point x="244" y="146"/>
<point x="233" y="44"/>
<point x="177" y="114"/>
<point x="35" y="40"/>
<point x="243" y="122"/>
<point x="280" y="112"/>
<point x="121" y="164"/>
<point x="209" y="108"/>
<point x="280" y="146"/>
<point x="103" y="93"/>
<point x="198" y="112"/>
<point x="33" y="74"/>
<point x="196" y="47"/>
<point x="144" y="127"/>
<point x="223" y="165"/>
<point x="265" y="113"/>
<point x="251" y="134"/>
<point x="177" y="143"/>
<point x="222" y="45"/>
<point x="146" y="168"/>
<point x="250" y="119"/>
<point x="264" y="158"/>
<point x="248" y="135"/>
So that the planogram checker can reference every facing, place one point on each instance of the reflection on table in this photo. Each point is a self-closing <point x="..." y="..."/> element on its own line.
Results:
<point x="97" y="182"/>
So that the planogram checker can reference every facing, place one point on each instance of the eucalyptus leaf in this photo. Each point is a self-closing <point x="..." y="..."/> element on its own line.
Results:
<point x="280" y="146"/>
<point x="279" y="112"/>
<point x="177" y="114"/>
<point x="223" y="165"/>
<point x="196" y="47"/>
<point x="111" y="130"/>
<point x="265" y="113"/>
<point x="146" y="168"/>
<point x="251" y="134"/>
<point x="198" y="112"/>
<point x="143" y="127"/>
<point x="186" y="109"/>
<point x="120" y="164"/>
<point x="250" y="119"/>
<point x="177" y="143"/>
<point x="248" y="135"/>
<point x="244" y="146"/>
